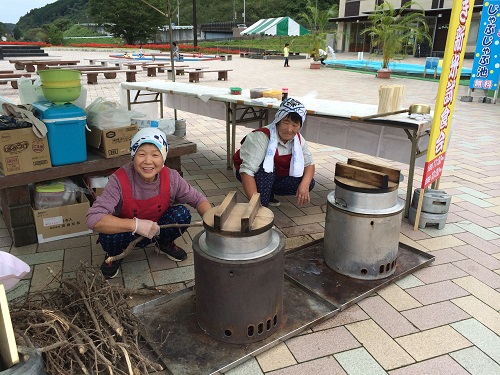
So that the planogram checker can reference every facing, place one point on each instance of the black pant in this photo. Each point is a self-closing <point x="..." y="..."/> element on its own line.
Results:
<point x="286" y="61"/>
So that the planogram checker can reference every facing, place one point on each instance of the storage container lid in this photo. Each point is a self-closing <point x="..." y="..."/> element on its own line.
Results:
<point x="50" y="187"/>
<point x="49" y="111"/>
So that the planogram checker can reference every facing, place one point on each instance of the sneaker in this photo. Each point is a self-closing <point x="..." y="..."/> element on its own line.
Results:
<point x="172" y="251"/>
<point x="273" y="202"/>
<point x="111" y="270"/>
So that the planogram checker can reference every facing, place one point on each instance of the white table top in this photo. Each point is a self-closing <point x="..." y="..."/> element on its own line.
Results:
<point x="318" y="107"/>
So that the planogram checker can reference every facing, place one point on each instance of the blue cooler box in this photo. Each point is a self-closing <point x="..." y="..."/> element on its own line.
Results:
<point x="65" y="131"/>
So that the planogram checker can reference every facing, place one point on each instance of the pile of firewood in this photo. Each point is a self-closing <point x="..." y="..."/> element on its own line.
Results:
<point x="83" y="327"/>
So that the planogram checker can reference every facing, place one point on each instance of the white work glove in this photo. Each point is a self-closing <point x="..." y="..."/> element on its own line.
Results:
<point x="146" y="228"/>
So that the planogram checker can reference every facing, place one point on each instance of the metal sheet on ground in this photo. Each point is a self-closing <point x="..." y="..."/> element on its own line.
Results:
<point x="312" y="293"/>
<point x="171" y="329"/>
<point x="307" y="267"/>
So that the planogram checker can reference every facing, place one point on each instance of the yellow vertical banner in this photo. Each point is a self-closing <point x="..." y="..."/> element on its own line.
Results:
<point x="458" y="31"/>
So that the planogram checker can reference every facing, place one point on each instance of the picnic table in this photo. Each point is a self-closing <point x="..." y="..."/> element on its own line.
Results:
<point x="92" y="71"/>
<point x="29" y="65"/>
<point x="329" y="122"/>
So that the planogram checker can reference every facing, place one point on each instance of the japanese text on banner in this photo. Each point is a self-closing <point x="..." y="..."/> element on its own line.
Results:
<point x="447" y="91"/>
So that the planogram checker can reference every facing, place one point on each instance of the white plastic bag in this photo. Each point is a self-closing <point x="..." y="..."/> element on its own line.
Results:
<point x="106" y="114"/>
<point x="30" y="92"/>
<point x="12" y="269"/>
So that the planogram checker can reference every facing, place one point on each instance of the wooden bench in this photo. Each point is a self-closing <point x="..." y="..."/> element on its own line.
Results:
<point x="226" y="57"/>
<point x="194" y="76"/>
<point x="14" y="81"/>
<point x="15" y="195"/>
<point x="92" y="71"/>
<point x="108" y="74"/>
<point x="13" y="78"/>
<point x="29" y="65"/>
<point x="6" y="71"/>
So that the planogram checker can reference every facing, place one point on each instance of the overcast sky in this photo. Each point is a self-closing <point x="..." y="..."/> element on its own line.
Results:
<point x="12" y="10"/>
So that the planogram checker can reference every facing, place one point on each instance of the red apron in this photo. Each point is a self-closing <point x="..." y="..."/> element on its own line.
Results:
<point x="149" y="209"/>
<point x="281" y="162"/>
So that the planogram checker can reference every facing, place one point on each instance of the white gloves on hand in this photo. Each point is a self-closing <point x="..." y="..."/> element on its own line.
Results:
<point x="146" y="228"/>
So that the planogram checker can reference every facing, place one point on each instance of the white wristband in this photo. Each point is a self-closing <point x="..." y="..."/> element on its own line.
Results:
<point x="136" y="225"/>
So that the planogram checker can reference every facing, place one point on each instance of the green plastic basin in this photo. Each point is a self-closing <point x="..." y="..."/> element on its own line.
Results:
<point x="59" y="75"/>
<point x="60" y="95"/>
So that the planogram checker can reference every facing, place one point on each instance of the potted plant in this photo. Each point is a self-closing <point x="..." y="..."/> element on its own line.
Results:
<point x="392" y="30"/>
<point x="317" y="20"/>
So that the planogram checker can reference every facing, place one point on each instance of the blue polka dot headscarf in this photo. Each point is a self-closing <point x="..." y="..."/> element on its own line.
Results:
<point x="288" y="106"/>
<point x="149" y="135"/>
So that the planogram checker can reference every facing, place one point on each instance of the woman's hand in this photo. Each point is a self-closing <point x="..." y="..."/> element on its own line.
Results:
<point x="147" y="228"/>
<point x="302" y="194"/>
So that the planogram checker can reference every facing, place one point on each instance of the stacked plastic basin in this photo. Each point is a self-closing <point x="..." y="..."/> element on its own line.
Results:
<point x="61" y="85"/>
<point x="65" y="131"/>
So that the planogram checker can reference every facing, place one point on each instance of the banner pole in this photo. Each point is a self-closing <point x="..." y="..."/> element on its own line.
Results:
<point x="419" y="209"/>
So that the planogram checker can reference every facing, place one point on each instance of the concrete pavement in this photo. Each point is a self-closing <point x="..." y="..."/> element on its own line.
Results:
<point x="442" y="319"/>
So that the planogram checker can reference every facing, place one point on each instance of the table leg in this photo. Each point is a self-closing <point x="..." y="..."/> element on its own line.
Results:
<point x="411" y="172"/>
<point x="161" y="105"/>
<point x="228" y="136"/>
<point x="233" y="134"/>
<point x="129" y="106"/>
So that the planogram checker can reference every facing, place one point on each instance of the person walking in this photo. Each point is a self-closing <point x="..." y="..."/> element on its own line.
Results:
<point x="322" y="56"/>
<point x="286" y="53"/>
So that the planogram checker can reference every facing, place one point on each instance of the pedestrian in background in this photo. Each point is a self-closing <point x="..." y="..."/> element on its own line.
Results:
<point x="286" y="53"/>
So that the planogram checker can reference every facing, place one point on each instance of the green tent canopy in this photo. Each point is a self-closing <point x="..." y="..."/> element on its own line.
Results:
<point x="280" y="26"/>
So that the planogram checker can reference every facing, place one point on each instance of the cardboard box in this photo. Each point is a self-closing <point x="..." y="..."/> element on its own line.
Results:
<point x="111" y="143"/>
<point x="22" y="151"/>
<point x="62" y="222"/>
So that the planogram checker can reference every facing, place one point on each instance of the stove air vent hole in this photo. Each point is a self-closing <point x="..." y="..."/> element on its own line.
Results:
<point x="275" y="320"/>
<point x="228" y="333"/>
<point x="260" y="328"/>
<point x="364" y="271"/>
<point x="268" y="324"/>
<point x="381" y="269"/>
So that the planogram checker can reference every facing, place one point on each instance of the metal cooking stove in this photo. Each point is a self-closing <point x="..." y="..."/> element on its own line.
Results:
<point x="312" y="293"/>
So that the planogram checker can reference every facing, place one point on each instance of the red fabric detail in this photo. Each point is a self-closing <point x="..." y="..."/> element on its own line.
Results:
<point x="149" y="209"/>
<point x="281" y="162"/>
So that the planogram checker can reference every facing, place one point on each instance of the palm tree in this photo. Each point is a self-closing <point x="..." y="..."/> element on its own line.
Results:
<point x="392" y="30"/>
<point x="318" y="19"/>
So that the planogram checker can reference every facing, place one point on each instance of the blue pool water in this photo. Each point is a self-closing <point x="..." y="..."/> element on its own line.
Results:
<point x="396" y="67"/>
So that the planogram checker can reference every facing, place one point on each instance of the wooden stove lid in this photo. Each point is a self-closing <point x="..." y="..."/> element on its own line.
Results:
<point x="238" y="219"/>
<point x="362" y="176"/>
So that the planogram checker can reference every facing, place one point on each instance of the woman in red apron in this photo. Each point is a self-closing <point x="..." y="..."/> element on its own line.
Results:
<point x="141" y="196"/>
<point x="275" y="159"/>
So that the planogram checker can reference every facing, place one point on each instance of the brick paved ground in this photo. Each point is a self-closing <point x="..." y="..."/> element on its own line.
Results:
<point x="443" y="319"/>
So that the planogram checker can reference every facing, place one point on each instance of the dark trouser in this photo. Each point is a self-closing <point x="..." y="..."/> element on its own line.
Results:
<point x="286" y="61"/>
<point x="114" y="244"/>
<point x="269" y="184"/>
<point x="322" y="59"/>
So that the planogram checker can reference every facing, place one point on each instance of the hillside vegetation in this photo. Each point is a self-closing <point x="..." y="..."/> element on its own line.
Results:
<point x="207" y="11"/>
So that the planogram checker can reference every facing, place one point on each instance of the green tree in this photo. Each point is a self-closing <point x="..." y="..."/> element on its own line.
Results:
<point x="53" y="34"/>
<point x="3" y="29"/>
<point x="392" y="30"/>
<point x="17" y="33"/>
<point x="35" y="35"/>
<point x="131" y="19"/>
